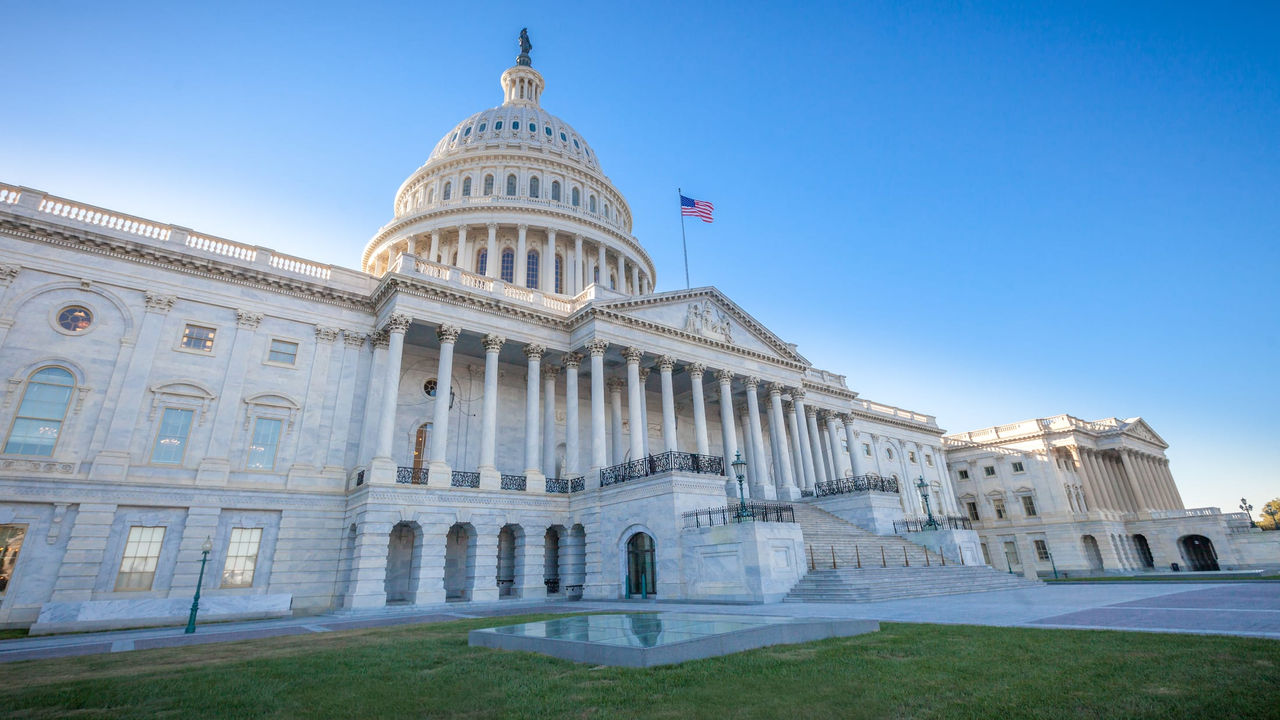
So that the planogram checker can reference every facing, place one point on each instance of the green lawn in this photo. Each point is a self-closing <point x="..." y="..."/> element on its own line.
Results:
<point x="909" y="671"/>
<point x="11" y="634"/>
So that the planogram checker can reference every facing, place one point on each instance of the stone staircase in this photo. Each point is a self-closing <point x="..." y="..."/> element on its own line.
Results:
<point x="891" y="566"/>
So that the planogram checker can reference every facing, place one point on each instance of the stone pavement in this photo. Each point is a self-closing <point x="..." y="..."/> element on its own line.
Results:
<point x="1247" y="609"/>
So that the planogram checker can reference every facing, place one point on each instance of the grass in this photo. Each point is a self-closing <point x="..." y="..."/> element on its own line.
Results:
<point x="1165" y="578"/>
<point x="11" y="633"/>
<point x="915" y="671"/>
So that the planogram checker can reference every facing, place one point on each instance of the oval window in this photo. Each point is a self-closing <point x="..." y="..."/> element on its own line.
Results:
<point x="429" y="387"/>
<point x="515" y="124"/>
<point x="482" y="127"/>
<point x="497" y="125"/>
<point x="75" y="319"/>
<point x="467" y="131"/>
<point x="563" y="138"/>
<point x="548" y="129"/>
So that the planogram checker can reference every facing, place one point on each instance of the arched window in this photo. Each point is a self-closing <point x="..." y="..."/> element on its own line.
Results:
<point x="488" y="184"/>
<point x="591" y="203"/>
<point x="511" y="185"/>
<point x="595" y="275"/>
<point x="575" y="198"/>
<point x="41" y="412"/>
<point x="531" y="270"/>
<point x="555" y="190"/>
<point x="431" y="195"/>
<point x="420" y="445"/>
<point x="466" y="187"/>
<point x="613" y="281"/>
<point x="508" y="267"/>
<point x="559" y="275"/>
<point x="606" y="209"/>
<point x="482" y="261"/>
<point x="534" y="187"/>
<point x="448" y="190"/>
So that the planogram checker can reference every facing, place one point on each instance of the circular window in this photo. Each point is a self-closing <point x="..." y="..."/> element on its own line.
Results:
<point x="75" y="319"/>
<point x="429" y="387"/>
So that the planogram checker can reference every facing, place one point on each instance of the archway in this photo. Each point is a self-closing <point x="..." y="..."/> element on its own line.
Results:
<point x="576" y="562"/>
<point x="508" y="538"/>
<point x="641" y="570"/>
<point x="347" y="564"/>
<point x="551" y="559"/>
<point x="1144" y="551"/>
<point x="400" y="553"/>
<point x="1092" y="553"/>
<point x="1198" y="551"/>
<point x="459" y="562"/>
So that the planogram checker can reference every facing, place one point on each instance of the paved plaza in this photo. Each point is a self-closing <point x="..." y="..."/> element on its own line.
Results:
<point x="1244" y="609"/>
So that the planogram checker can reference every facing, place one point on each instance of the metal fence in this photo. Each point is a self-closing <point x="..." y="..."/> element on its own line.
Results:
<point x="739" y="513"/>
<point x="566" y="485"/>
<point x="857" y="484"/>
<point x="461" y="478"/>
<point x="672" y="461"/>
<point x="949" y="522"/>
<point x="411" y="476"/>
<point x="513" y="482"/>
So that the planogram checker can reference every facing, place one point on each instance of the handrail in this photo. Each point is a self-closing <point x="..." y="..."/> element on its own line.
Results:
<point x="856" y="484"/>
<point x="739" y="513"/>
<point x="671" y="461"/>
<point x="411" y="475"/>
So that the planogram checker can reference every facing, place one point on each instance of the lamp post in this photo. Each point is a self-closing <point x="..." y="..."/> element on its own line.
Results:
<point x="195" y="601"/>
<point x="739" y="470"/>
<point x="923" y="487"/>
<point x="1247" y="509"/>
<point x="1054" y="566"/>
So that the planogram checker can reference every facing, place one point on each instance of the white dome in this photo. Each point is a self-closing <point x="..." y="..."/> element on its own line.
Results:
<point x="516" y="124"/>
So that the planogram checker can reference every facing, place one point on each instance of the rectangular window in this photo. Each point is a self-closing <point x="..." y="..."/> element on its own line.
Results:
<point x="989" y="470"/>
<point x="986" y="554"/>
<point x="973" y="510"/>
<point x="171" y="438"/>
<point x="866" y="449"/>
<point x="998" y="504"/>
<point x="1018" y="467"/>
<point x="10" y="544"/>
<point x="964" y="474"/>
<point x="198" y="338"/>
<point x="242" y="557"/>
<point x="911" y="455"/>
<point x="262" y="448"/>
<point x="283" y="352"/>
<point x="1042" y="550"/>
<point x="928" y="460"/>
<point x="1029" y="505"/>
<point x="141" y="555"/>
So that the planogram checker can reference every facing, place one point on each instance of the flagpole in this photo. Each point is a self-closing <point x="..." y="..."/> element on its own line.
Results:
<point x="684" y="243"/>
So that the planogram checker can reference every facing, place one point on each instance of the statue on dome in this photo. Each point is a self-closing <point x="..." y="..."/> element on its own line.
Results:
<point x="525" y="47"/>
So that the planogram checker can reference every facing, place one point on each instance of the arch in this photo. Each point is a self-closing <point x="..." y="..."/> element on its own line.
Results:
<point x="11" y="310"/>
<point x="1198" y="552"/>
<point x="488" y="184"/>
<point x="555" y="190"/>
<point x="1144" y="551"/>
<point x="511" y="185"/>
<point x="448" y="190"/>
<point x="641" y="555"/>
<point x="404" y="556"/>
<point x="466" y="187"/>
<point x="421" y="441"/>
<point x="510" y="536"/>
<point x="535" y="186"/>
<point x="575" y="197"/>
<point x="508" y="266"/>
<point x="552" y="559"/>
<point x="531" y="270"/>
<point x="460" y="562"/>
<point x="46" y="398"/>
<point x="1092" y="553"/>
<point x="482" y="260"/>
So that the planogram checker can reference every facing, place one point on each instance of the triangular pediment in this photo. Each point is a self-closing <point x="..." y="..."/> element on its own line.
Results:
<point x="1137" y="427"/>
<point x="702" y="314"/>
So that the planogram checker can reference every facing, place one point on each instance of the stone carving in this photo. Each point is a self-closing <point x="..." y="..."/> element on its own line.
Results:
<point x="248" y="320"/>
<point x="38" y="466"/>
<point x="695" y="370"/>
<point x="8" y="273"/>
<point x="326" y="334"/>
<point x="797" y="394"/>
<point x="724" y="376"/>
<point x="776" y="389"/>
<point x="380" y="340"/>
<point x="354" y="338"/>
<point x="398" y="323"/>
<point x="705" y="319"/>
<point x="615" y="385"/>
<point x="525" y="47"/>
<point x="493" y="343"/>
<point x="448" y="333"/>
<point x="644" y="376"/>
<point x="666" y="363"/>
<point x="633" y="355"/>
<point x="571" y="360"/>
<point x="534" y="351"/>
<point x="596" y="347"/>
<point x="160" y="303"/>
<point x="550" y="371"/>
<point x="752" y="382"/>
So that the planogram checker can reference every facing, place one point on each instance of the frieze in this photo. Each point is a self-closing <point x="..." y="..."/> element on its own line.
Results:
<point x="39" y="466"/>
<point x="8" y="273"/>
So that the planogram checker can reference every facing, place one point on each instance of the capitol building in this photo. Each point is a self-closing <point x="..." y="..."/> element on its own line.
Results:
<point x="498" y="404"/>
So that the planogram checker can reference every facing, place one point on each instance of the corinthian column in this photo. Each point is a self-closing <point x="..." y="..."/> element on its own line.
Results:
<point x="396" y="326"/>
<point x="489" y="412"/>
<point x="493" y="261"/>
<point x="532" y="449"/>
<point x="851" y="437"/>
<point x="729" y="434"/>
<point x="815" y="443"/>
<point x="616" y="386"/>
<point x="837" y="462"/>
<point x="644" y="411"/>
<point x="521" y="268"/>
<point x="793" y="436"/>
<point x="571" y="362"/>
<point x="573" y="278"/>
<point x="778" y="438"/>
<point x="547" y="268"/>
<point x="802" y="436"/>
<point x="439" y="468"/>
<point x="466" y="260"/>
<point x="549" y="374"/>
<point x="764" y="487"/>
<point x="634" y="392"/>
<point x="699" y="402"/>
<point x="665" y="365"/>
<point x="1135" y="479"/>
<point x="596" y="349"/>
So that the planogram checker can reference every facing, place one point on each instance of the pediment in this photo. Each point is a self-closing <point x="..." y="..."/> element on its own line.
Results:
<point x="1137" y="427"/>
<point x="702" y="314"/>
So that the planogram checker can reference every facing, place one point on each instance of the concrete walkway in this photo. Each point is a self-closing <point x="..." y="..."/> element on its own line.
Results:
<point x="1246" y="609"/>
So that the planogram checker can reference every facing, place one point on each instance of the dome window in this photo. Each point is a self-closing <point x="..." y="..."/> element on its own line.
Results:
<point x="497" y="125"/>
<point x="508" y="266"/>
<point x="531" y="270"/>
<point x="548" y="129"/>
<point x="466" y="132"/>
<point x="488" y="184"/>
<point x="563" y="138"/>
<point x="591" y="203"/>
<point x="555" y="190"/>
<point x="515" y="124"/>
<point x="534" y="187"/>
<point x="455" y="137"/>
<point x="482" y="261"/>
<point x="576" y="198"/>
<point x="466" y="187"/>
<point x="511" y="185"/>
<point x="576" y="145"/>
<point x="482" y="127"/>
<point x="533" y="128"/>
<point x="448" y="191"/>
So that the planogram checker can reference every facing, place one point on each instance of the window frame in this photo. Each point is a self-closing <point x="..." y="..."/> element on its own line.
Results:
<point x="1029" y="505"/>
<point x="212" y="340"/>
<point x="988" y="470"/>
<point x="227" y="557"/>
<point x="186" y="438"/>
<point x="1042" y="549"/>
<point x="74" y="394"/>
<point x="297" y="347"/>
<point x="997" y="505"/>
<point x="154" y="559"/>
<point x="962" y="473"/>
<point x="1018" y="467"/>
<point x="507" y="273"/>
<point x="275" y="450"/>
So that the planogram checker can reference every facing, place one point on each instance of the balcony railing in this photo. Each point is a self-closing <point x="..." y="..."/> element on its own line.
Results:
<point x="461" y="478"/>
<point x="566" y="485"/>
<point x="513" y="482"/>
<point x="739" y="513"/>
<point x="857" y="484"/>
<point x="411" y="475"/>
<point x="949" y="522"/>
<point x="657" y="464"/>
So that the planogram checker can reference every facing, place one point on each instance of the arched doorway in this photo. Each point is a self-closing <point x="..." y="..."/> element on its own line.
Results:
<point x="576" y="562"/>
<point x="641" y="573"/>
<point x="1092" y="553"/>
<point x="1198" y="551"/>
<point x="508" y="538"/>
<point x="400" y="564"/>
<point x="1144" y="551"/>
<point x="420" y="443"/>
<point x="459" y="562"/>
<point x="551" y="559"/>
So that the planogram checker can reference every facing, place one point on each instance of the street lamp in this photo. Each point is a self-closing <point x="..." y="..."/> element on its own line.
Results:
<point x="1247" y="509"/>
<point x="739" y="470"/>
<point x="195" y="602"/>
<point x="1054" y="565"/>
<point x="923" y="486"/>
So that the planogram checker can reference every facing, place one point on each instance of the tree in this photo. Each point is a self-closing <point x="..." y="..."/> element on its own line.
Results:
<point x="1270" y="515"/>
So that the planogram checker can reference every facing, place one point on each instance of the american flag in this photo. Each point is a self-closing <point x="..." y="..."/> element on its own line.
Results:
<point x="696" y="208"/>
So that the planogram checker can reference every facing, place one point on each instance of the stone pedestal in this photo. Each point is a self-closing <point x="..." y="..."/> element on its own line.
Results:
<point x="872" y="511"/>
<point x="956" y="545"/>
<point x="753" y="562"/>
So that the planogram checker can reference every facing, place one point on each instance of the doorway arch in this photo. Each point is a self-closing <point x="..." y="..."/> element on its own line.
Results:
<point x="459" y="562"/>
<point x="1144" y="551"/>
<point x="1092" y="553"/>
<point x="1198" y="551"/>
<point x="400" y="563"/>
<point x="641" y="566"/>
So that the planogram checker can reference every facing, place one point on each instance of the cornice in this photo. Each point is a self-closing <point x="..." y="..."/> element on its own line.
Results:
<point x="897" y="422"/>
<point x="394" y="284"/>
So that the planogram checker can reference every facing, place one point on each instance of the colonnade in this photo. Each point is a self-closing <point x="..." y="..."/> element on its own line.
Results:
<point x="1126" y="480"/>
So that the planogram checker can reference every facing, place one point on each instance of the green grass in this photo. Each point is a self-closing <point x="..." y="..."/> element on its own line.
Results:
<point x="909" y="671"/>
<point x="12" y="633"/>
<point x="1165" y="578"/>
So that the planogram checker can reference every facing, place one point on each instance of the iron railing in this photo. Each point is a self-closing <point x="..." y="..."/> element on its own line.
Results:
<point x="411" y="476"/>
<point x="565" y="485"/>
<point x="513" y="482"/>
<point x="806" y="493"/>
<point x="948" y="522"/>
<point x="359" y="478"/>
<point x="672" y="461"/>
<point x="461" y="478"/>
<point x="857" y="484"/>
<point x="740" y="513"/>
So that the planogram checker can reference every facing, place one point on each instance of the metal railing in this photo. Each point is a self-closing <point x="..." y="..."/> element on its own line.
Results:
<point x="566" y="485"/>
<point x="461" y="478"/>
<point x="411" y="476"/>
<point x="513" y="482"/>
<point x="873" y="556"/>
<point x="857" y="484"/>
<point x="950" y="522"/>
<point x="739" y="513"/>
<point x="672" y="461"/>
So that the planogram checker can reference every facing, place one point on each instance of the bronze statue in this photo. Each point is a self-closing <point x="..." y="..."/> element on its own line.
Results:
<point x="525" y="47"/>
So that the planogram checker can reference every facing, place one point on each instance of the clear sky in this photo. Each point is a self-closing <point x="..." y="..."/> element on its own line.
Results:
<point x="987" y="212"/>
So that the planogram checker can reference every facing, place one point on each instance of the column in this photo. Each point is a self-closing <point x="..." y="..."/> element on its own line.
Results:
<point x="602" y="265"/>
<point x="695" y="371"/>
<point x="855" y="452"/>
<point x="616" y="386"/>
<point x="491" y="264"/>
<point x="793" y="440"/>
<point x="644" y="410"/>
<point x="1136" y="481"/>
<point x="571" y="361"/>
<point x="574" y="271"/>
<point x="1153" y="469"/>
<point x="547" y="266"/>
<point x="802" y="436"/>
<point x="521" y="268"/>
<point x="1109" y="500"/>
<point x="368" y="427"/>
<point x="665" y="364"/>
<point x="787" y="487"/>
<point x="635" y="278"/>
<point x="435" y="247"/>
<point x="765" y="487"/>
<point x="837" y="459"/>
<point x="396" y="326"/>
<point x="532" y="448"/>
<point x="1151" y="487"/>
<point x="815" y="445"/>
<point x="340" y="424"/>
<point x="1173" y="486"/>
<point x="549" y="373"/>
<point x="596" y="349"/>
<point x="634" y="393"/>
<point x="448" y="336"/>
<point x="466" y="258"/>
<point x="489" y="476"/>
<point x="729" y="434"/>
<point x="1091" y="498"/>
<point x="748" y="451"/>
<point x="622" y="274"/>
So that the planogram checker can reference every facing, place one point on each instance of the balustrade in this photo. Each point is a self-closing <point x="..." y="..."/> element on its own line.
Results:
<point x="465" y="479"/>
<point x="411" y="476"/>
<point x="672" y="461"/>
<point x="857" y="484"/>
<point x="513" y="482"/>
<point x="740" y="513"/>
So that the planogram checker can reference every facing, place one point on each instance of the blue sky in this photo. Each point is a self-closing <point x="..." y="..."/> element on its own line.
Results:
<point x="987" y="212"/>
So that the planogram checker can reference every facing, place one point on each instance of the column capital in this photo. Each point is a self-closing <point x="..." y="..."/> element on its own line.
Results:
<point x="810" y="412"/>
<point x="550" y="371"/>
<point x="522" y="227"/>
<point x="448" y="333"/>
<point x="724" y="376"/>
<point x="380" y="339"/>
<point x="248" y="319"/>
<point x="787" y="407"/>
<point x="578" y="238"/>
<point x="397" y="323"/>
<point x="435" y="233"/>
<point x="644" y="375"/>
<point x="571" y="360"/>
<point x="666" y="363"/>
<point x="354" y="338"/>
<point x="615" y="385"/>
<point x="493" y="343"/>
<point x="596" y="347"/>
<point x="534" y="351"/>
<point x="462" y="229"/>
<point x="633" y="355"/>
<point x="797" y="393"/>
<point x="551" y="233"/>
<point x="326" y="334"/>
<point x="752" y="382"/>
<point x="493" y="227"/>
<point x="776" y="389"/>
<point x="158" y="303"/>
<point x="695" y="370"/>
